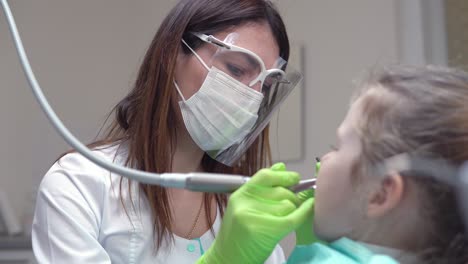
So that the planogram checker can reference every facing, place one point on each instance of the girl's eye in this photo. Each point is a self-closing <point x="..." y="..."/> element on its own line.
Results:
<point x="333" y="147"/>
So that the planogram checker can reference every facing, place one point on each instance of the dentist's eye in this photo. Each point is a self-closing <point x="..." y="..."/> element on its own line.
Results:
<point x="235" y="71"/>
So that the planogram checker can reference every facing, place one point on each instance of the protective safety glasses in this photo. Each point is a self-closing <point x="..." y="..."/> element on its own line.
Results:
<point x="243" y="64"/>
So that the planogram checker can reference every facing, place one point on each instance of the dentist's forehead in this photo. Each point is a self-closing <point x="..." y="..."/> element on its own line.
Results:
<point x="256" y="37"/>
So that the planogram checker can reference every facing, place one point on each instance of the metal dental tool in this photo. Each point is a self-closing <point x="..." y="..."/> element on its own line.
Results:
<point x="304" y="185"/>
<point x="203" y="182"/>
<point x="308" y="184"/>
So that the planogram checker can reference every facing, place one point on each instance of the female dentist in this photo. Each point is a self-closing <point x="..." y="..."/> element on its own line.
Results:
<point x="201" y="103"/>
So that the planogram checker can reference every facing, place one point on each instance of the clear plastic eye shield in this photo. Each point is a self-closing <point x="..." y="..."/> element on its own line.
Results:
<point x="205" y="182"/>
<point x="275" y="83"/>
<point x="243" y="64"/>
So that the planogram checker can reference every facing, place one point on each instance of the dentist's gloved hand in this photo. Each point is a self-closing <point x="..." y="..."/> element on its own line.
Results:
<point x="258" y="216"/>
<point x="305" y="232"/>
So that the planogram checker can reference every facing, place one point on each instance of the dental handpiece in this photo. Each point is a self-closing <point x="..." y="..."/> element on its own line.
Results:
<point x="222" y="183"/>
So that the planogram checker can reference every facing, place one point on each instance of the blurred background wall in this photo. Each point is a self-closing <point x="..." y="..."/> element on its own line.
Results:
<point x="456" y="13"/>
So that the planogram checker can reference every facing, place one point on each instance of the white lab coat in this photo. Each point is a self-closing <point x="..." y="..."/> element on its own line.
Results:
<point x="79" y="218"/>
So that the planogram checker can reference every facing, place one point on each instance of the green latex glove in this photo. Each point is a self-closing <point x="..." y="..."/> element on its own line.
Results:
<point x="305" y="232"/>
<point x="259" y="214"/>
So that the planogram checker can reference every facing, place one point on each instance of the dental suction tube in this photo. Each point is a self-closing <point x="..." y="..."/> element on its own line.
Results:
<point x="206" y="182"/>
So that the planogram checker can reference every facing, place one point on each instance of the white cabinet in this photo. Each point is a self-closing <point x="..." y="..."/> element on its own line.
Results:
<point x="16" y="250"/>
<point x="17" y="257"/>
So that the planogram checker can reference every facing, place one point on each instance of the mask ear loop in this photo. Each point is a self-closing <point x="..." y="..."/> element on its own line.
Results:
<point x="178" y="90"/>
<point x="199" y="59"/>
<point x="196" y="55"/>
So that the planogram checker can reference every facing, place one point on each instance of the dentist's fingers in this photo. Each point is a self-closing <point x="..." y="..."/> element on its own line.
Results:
<point x="271" y="178"/>
<point x="272" y="194"/>
<point x="280" y="166"/>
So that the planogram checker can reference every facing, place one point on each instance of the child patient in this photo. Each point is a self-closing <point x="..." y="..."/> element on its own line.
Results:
<point x="363" y="211"/>
<point x="363" y="214"/>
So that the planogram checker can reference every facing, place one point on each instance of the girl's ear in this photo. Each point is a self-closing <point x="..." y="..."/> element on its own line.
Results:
<point x="386" y="196"/>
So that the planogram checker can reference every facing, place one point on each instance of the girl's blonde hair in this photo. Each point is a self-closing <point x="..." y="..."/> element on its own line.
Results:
<point x="420" y="110"/>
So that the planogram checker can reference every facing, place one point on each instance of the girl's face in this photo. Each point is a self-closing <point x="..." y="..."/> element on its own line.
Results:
<point x="337" y="207"/>
<point x="256" y="37"/>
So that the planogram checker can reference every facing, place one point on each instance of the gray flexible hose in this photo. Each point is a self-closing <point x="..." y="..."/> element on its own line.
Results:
<point x="166" y="179"/>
